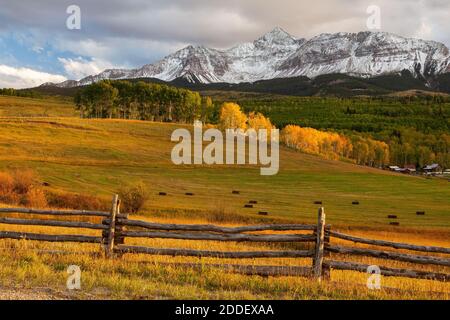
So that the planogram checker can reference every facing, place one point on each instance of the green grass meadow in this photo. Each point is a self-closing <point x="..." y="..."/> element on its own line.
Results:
<point x="98" y="156"/>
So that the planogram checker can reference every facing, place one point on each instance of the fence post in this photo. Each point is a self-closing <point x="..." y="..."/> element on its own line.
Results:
<point x="318" y="255"/>
<point x="109" y="248"/>
<point x="326" y="270"/>
<point x="118" y="237"/>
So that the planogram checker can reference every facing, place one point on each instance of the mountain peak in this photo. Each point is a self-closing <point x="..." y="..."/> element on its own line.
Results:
<point x="194" y="48"/>
<point x="277" y="36"/>
<point x="277" y="54"/>
<point x="278" y="30"/>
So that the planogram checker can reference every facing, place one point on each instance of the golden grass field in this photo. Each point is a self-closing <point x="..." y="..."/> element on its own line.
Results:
<point x="98" y="156"/>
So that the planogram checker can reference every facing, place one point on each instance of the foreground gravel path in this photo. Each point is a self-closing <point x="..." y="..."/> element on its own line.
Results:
<point x="29" y="294"/>
<point x="20" y="293"/>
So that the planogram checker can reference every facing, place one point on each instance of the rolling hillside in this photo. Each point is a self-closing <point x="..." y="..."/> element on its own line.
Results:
<point x="99" y="156"/>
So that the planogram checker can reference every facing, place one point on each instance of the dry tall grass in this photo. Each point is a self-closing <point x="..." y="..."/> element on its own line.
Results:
<point x="21" y="187"/>
<point x="24" y="188"/>
<point x="28" y="264"/>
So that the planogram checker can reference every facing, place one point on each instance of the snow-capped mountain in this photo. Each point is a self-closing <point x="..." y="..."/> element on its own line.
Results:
<point x="277" y="54"/>
<point x="366" y="54"/>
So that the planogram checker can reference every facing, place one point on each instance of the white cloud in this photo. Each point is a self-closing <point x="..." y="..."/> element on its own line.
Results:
<point x="137" y="32"/>
<point x="120" y="52"/>
<point x="83" y="47"/>
<point x="79" y="68"/>
<point x="19" y="78"/>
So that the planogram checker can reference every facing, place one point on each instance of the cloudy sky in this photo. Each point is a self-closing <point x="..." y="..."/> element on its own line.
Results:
<point x="36" y="46"/>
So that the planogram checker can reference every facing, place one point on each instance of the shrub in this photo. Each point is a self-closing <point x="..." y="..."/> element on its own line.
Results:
<point x="24" y="188"/>
<point x="24" y="181"/>
<point x="35" y="198"/>
<point x="76" y="201"/>
<point x="21" y="188"/>
<point x="133" y="197"/>
<point x="7" y="194"/>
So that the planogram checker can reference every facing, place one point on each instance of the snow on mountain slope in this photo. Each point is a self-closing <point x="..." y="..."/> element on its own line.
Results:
<point x="260" y="59"/>
<point x="366" y="54"/>
<point x="277" y="54"/>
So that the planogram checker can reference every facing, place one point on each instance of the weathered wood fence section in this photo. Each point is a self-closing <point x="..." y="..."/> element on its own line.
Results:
<point x="116" y="227"/>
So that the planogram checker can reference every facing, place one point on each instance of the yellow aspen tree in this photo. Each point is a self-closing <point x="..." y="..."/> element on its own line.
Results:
<point x="231" y="117"/>
<point x="258" y="121"/>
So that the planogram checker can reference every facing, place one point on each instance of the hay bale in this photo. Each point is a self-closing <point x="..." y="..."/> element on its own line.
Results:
<point x="248" y="206"/>
<point x="253" y="202"/>
<point x="263" y="213"/>
<point x="392" y="216"/>
<point x="163" y="194"/>
<point x="317" y="202"/>
<point x="235" y="192"/>
<point x="420" y="213"/>
<point x="394" y="223"/>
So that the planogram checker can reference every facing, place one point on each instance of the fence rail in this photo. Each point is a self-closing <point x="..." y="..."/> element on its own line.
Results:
<point x="388" y="272"/>
<point x="213" y="228"/>
<point x="49" y="237"/>
<point x="60" y="212"/>
<point x="221" y="237"/>
<point x="215" y="254"/>
<point x="53" y="223"/>
<point x="383" y="243"/>
<point x="116" y="227"/>
<point x="389" y="255"/>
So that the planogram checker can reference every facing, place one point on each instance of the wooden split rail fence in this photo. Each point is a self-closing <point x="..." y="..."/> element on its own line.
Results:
<point x="116" y="227"/>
